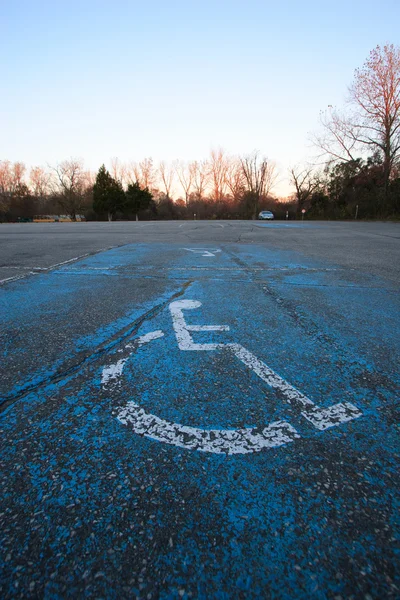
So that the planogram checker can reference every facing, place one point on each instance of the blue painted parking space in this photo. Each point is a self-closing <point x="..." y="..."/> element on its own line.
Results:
<point x="199" y="422"/>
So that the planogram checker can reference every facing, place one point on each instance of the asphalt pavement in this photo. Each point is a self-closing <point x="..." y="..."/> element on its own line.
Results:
<point x="199" y="410"/>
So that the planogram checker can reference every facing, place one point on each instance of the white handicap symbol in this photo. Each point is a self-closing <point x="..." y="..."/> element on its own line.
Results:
<point x="228" y="441"/>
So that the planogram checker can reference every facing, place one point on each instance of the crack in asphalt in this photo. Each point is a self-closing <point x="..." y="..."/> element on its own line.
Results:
<point x="309" y="327"/>
<point x="104" y="348"/>
<point x="252" y="278"/>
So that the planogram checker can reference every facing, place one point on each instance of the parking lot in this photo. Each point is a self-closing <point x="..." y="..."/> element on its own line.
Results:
<point x="199" y="409"/>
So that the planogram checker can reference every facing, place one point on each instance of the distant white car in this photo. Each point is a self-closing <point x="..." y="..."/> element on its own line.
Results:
<point x="266" y="215"/>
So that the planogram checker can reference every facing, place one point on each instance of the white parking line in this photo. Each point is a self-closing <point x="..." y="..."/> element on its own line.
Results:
<point x="16" y="277"/>
<point x="40" y="270"/>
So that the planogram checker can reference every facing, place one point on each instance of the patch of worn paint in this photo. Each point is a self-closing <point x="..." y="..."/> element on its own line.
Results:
<point x="113" y="372"/>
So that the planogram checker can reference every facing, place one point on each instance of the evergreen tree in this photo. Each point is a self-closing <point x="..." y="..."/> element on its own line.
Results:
<point x="137" y="199"/>
<point x="108" y="195"/>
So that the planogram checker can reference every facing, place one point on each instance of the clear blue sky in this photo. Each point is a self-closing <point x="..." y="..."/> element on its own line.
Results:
<point x="171" y="79"/>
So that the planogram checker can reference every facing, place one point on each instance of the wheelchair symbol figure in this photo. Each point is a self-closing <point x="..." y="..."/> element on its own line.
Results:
<point x="227" y="441"/>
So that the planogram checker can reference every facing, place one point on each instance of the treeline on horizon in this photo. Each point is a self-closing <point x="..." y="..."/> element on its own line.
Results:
<point x="342" y="190"/>
<point x="223" y="186"/>
<point x="358" y="172"/>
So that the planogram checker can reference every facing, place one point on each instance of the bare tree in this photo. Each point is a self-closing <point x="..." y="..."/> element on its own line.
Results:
<point x="118" y="170"/>
<point x="166" y="173"/>
<point x="18" y="173"/>
<point x="5" y="185"/>
<point x="235" y="178"/>
<point x="373" y="121"/>
<point x="218" y="168"/>
<point x="185" y="177"/>
<point x="200" y="177"/>
<point x="335" y="140"/>
<point x="259" y="176"/>
<point x="11" y="182"/>
<point x="89" y="179"/>
<point x="70" y="184"/>
<point x="271" y="177"/>
<point x="143" y="173"/>
<point x="39" y="180"/>
<point x="306" y="182"/>
<point x="131" y="170"/>
<point x="376" y="95"/>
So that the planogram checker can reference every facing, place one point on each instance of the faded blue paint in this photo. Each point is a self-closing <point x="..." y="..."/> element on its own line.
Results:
<point x="282" y="523"/>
